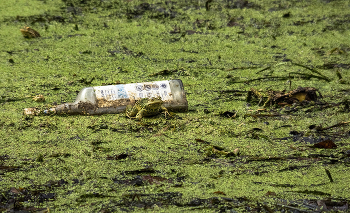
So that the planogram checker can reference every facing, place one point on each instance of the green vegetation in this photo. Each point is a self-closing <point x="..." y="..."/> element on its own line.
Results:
<point x="223" y="154"/>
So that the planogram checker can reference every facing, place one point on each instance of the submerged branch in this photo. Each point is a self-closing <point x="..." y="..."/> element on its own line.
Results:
<point x="310" y="76"/>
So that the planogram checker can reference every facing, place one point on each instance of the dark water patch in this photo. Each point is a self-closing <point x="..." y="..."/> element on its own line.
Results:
<point x="135" y="201"/>
<point x="92" y="5"/>
<point x="33" y="19"/>
<point x="240" y="4"/>
<point x="13" y="198"/>
<point x="152" y="11"/>
<point x="338" y="23"/>
<point x="334" y="65"/>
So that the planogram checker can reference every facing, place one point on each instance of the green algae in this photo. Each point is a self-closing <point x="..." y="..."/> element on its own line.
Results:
<point x="118" y="41"/>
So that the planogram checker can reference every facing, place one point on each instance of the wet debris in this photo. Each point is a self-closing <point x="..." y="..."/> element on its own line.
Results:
<point x="8" y="169"/>
<point x="11" y="61"/>
<point x="336" y="50"/>
<point x="191" y="32"/>
<point x="207" y="5"/>
<point x="269" y="70"/>
<point x="219" y="193"/>
<point x="281" y="98"/>
<point x="294" y="167"/>
<point x="235" y="22"/>
<point x="329" y="205"/>
<point x="240" y="4"/>
<point x="216" y="151"/>
<point x="151" y="10"/>
<point x="313" y="205"/>
<point x="12" y="199"/>
<point x="118" y="157"/>
<point x="229" y="114"/>
<point x="334" y="65"/>
<point x="332" y="126"/>
<point x="329" y="175"/>
<point x="326" y="144"/>
<point x="286" y="15"/>
<point x="340" y="77"/>
<point x="213" y="151"/>
<point x="320" y="137"/>
<point x="300" y="136"/>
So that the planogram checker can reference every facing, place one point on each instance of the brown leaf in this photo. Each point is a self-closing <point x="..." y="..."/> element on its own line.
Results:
<point x="270" y="193"/>
<point x="16" y="191"/>
<point x="326" y="144"/>
<point x="202" y="141"/>
<point x="219" y="192"/>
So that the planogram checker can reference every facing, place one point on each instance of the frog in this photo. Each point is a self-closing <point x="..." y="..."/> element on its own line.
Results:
<point x="146" y="107"/>
<point x="28" y="32"/>
<point x="39" y="98"/>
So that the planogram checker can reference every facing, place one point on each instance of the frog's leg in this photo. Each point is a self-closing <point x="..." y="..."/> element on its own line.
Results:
<point x="130" y="111"/>
<point x="140" y="114"/>
<point x="165" y="110"/>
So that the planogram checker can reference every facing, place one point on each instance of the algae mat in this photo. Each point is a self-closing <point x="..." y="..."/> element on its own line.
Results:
<point x="231" y="152"/>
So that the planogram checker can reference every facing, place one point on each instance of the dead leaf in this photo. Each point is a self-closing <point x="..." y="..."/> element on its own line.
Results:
<point x="270" y="193"/>
<point x="281" y="98"/>
<point x="16" y="191"/>
<point x="219" y="193"/>
<point x="326" y="144"/>
<point x="202" y="141"/>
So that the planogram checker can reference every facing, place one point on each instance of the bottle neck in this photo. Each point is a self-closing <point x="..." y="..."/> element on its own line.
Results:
<point x="75" y="108"/>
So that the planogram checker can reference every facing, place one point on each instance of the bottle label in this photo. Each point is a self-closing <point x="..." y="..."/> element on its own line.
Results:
<point x="132" y="92"/>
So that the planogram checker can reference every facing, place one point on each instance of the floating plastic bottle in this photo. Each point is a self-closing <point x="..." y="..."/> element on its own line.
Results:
<point x="115" y="98"/>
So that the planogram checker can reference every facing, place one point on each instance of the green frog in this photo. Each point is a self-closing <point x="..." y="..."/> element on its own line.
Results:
<point x="146" y="107"/>
<point x="28" y="32"/>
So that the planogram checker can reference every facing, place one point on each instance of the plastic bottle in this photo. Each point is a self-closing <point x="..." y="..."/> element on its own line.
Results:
<point x="115" y="98"/>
